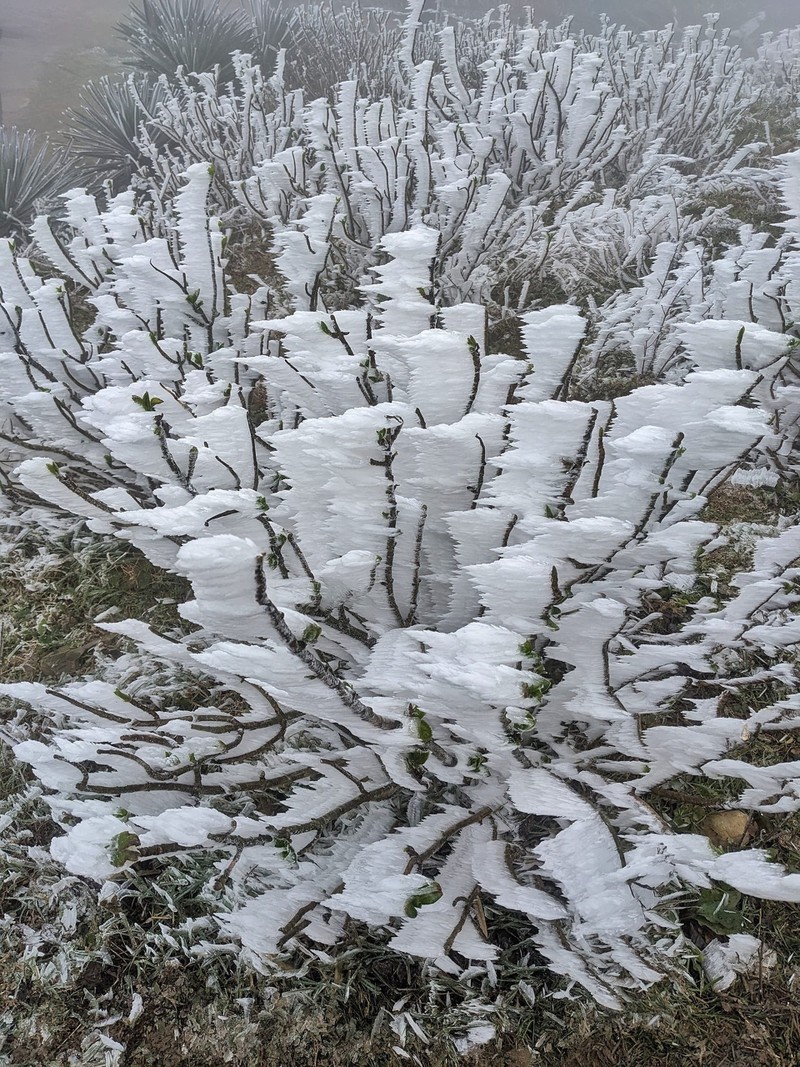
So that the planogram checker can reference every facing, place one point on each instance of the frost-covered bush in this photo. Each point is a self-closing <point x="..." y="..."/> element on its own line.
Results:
<point x="689" y="300"/>
<point x="779" y="58"/>
<point x="426" y="597"/>
<point x="515" y="142"/>
<point x="333" y="44"/>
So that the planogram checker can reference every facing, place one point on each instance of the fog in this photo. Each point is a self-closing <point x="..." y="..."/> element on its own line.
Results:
<point x="48" y="48"/>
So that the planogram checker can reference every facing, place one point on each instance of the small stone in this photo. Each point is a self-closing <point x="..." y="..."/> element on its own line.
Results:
<point x="726" y="828"/>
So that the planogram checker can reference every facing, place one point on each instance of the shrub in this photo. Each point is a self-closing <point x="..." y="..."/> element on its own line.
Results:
<point x="546" y="161"/>
<point x="464" y="656"/>
<point x="426" y="592"/>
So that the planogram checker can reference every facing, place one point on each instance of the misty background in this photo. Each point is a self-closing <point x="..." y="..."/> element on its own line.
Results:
<point x="49" y="49"/>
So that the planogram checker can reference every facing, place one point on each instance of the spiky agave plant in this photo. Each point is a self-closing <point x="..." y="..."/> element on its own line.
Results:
<point x="273" y="28"/>
<point x="29" y="173"/>
<point x="197" y="35"/>
<point x="101" y="131"/>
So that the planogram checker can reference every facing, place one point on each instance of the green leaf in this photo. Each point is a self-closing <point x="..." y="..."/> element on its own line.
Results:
<point x="720" y="910"/>
<point x="477" y="762"/>
<point x="123" y="848"/>
<point x="147" y="402"/>
<point x="416" y="758"/>
<point x="536" y="690"/>
<point x="426" y="894"/>
<point x="424" y="731"/>
<point x="284" y="846"/>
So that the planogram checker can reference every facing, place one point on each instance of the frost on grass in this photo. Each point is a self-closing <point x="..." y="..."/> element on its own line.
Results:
<point x="425" y="582"/>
